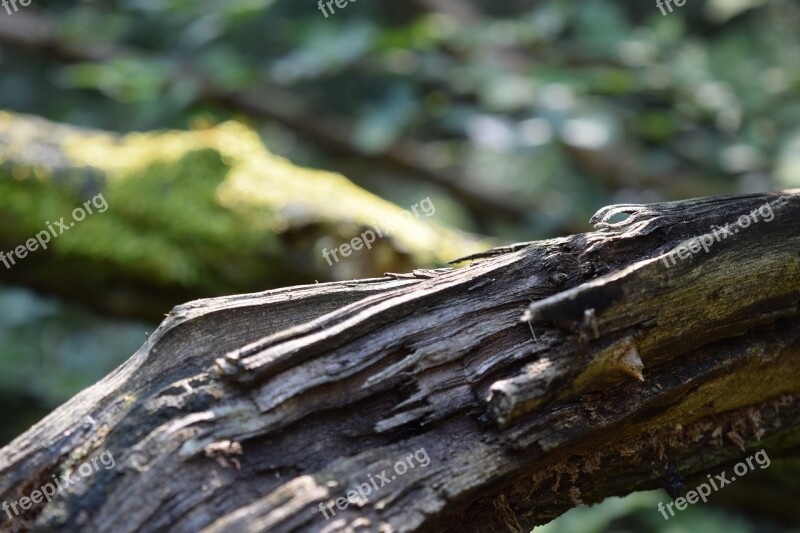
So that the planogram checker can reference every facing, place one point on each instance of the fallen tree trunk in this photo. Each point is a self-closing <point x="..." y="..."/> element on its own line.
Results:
<point x="641" y="364"/>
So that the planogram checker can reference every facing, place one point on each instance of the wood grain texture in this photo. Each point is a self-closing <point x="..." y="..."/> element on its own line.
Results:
<point x="245" y="413"/>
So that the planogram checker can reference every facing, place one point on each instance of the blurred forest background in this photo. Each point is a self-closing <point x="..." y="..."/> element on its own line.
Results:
<point x="519" y="119"/>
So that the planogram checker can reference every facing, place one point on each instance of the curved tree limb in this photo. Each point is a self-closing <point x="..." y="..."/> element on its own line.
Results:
<point x="252" y="412"/>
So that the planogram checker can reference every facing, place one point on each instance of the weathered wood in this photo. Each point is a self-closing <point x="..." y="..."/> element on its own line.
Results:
<point x="246" y="413"/>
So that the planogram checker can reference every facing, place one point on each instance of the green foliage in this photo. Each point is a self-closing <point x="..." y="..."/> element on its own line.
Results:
<point x="639" y="512"/>
<point x="536" y="102"/>
<point x="51" y="351"/>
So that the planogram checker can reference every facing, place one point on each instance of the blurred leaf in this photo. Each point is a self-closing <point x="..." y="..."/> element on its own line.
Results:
<point x="327" y="48"/>
<point x="125" y="80"/>
<point x="382" y="124"/>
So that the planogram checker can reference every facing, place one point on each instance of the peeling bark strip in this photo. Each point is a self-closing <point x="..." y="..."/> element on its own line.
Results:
<point x="244" y="413"/>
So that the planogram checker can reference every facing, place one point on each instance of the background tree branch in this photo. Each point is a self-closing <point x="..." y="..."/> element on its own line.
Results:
<point x="331" y="133"/>
<point x="193" y="213"/>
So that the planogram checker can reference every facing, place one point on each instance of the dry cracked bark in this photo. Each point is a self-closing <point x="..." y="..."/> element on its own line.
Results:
<point x="246" y="413"/>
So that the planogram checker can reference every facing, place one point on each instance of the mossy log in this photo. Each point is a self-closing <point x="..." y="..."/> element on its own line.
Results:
<point x="543" y="376"/>
<point x="190" y="214"/>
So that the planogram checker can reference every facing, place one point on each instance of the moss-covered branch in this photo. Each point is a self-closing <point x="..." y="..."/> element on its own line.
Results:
<point x="191" y="214"/>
